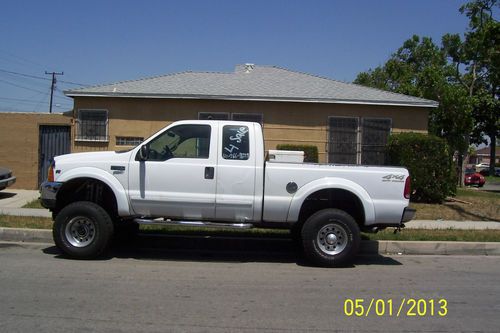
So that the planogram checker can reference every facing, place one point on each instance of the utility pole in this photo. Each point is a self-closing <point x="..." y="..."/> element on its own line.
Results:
<point x="52" y="86"/>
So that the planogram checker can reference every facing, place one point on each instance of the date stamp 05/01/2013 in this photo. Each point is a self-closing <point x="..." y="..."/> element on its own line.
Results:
<point x="406" y="307"/>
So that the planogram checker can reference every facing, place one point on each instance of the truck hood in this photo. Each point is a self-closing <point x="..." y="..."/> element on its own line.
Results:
<point x="93" y="157"/>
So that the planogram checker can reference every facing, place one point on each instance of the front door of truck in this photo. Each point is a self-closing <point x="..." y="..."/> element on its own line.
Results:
<point x="177" y="179"/>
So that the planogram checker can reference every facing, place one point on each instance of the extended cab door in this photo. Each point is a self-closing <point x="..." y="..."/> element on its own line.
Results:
<point x="178" y="178"/>
<point x="235" y="172"/>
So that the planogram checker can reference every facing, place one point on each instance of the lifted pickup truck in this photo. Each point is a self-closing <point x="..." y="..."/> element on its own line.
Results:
<point x="214" y="173"/>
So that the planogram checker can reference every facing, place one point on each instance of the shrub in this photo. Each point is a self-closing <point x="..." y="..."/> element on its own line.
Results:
<point x="310" y="152"/>
<point x="429" y="161"/>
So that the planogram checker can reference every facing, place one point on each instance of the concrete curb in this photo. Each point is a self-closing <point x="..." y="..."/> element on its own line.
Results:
<point x="367" y="247"/>
<point x="26" y="235"/>
<point x="35" y="212"/>
<point x="431" y="248"/>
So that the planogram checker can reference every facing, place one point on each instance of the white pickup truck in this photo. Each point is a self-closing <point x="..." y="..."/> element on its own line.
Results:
<point x="214" y="173"/>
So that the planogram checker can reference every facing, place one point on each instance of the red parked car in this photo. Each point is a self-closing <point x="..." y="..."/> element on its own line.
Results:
<point x="473" y="178"/>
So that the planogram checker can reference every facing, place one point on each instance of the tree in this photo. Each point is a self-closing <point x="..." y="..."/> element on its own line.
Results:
<point x="421" y="68"/>
<point x="476" y="59"/>
<point x="463" y="75"/>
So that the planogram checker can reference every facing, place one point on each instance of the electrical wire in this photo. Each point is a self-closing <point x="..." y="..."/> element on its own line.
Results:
<point x="41" y="78"/>
<point x="25" y="75"/>
<point x="19" y="59"/>
<point x="44" y="98"/>
<point x="19" y="86"/>
<point x="29" y="101"/>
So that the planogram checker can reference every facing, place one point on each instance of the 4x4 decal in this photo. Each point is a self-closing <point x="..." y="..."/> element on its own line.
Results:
<point x="394" y="178"/>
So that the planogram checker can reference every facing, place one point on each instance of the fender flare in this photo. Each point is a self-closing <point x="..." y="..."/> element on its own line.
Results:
<point x="122" y="203"/>
<point x="328" y="183"/>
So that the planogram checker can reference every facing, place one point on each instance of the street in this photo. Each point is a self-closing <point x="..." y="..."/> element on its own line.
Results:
<point x="181" y="291"/>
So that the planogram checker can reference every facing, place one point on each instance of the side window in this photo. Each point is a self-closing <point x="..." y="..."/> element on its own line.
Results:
<point x="183" y="141"/>
<point x="235" y="143"/>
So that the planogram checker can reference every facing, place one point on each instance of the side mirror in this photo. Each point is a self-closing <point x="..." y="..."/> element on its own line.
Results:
<point x="144" y="153"/>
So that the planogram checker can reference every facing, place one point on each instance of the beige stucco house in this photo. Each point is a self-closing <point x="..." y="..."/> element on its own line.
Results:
<point x="347" y="122"/>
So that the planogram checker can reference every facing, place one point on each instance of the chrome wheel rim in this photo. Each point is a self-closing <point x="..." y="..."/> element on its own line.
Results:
<point x="80" y="231"/>
<point x="332" y="239"/>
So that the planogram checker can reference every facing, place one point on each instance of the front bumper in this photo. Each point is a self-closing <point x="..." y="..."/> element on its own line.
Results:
<point x="48" y="194"/>
<point x="408" y="214"/>
<point x="4" y="183"/>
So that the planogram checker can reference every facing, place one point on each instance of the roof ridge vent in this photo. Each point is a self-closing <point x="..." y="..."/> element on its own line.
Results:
<point x="249" y="67"/>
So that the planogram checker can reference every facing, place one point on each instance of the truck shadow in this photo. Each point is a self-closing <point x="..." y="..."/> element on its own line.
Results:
<point x="221" y="249"/>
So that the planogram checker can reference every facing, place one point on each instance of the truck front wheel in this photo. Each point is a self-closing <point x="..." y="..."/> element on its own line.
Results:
<point x="82" y="230"/>
<point x="330" y="238"/>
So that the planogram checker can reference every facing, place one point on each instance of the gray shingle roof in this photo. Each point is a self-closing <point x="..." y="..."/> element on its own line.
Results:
<point x="261" y="83"/>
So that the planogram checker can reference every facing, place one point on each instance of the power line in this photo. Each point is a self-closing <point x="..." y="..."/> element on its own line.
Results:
<point x="25" y="75"/>
<point x="74" y="83"/>
<point x="20" y="59"/>
<point x="39" y="103"/>
<point x="40" y="77"/>
<point x="19" y="86"/>
<point x="28" y="101"/>
<point x="62" y="94"/>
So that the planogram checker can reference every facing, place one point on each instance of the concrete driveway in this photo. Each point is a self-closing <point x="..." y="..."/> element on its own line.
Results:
<point x="10" y="198"/>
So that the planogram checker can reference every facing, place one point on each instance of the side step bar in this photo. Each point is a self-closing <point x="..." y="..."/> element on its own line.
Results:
<point x="193" y="224"/>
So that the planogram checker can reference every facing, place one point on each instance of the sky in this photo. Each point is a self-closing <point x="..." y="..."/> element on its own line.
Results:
<point x="97" y="42"/>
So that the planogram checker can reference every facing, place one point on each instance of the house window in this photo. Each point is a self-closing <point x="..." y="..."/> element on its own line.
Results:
<point x="128" y="141"/>
<point x="255" y="117"/>
<point x="92" y="125"/>
<point x="358" y="141"/>
<point x="343" y="140"/>
<point x="213" y="116"/>
<point x="374" y="135"/>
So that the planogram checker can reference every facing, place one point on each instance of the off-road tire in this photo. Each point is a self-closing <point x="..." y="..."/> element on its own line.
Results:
<point x="82" y="230"/>
<point x="330" y="238"/>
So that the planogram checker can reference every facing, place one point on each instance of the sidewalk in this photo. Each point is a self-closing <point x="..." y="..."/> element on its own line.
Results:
<point x="12" y="200"/>
<point x="441" y="224"/>
<point x="17" y="198"/>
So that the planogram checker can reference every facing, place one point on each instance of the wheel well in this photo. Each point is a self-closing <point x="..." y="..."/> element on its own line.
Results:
<point x="333" y="198"/>
<point x="87" y="189"/>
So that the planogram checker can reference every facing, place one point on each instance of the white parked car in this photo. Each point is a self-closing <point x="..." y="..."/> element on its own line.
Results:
<point x="482" y="166"/>
<point x="214" y="173"/>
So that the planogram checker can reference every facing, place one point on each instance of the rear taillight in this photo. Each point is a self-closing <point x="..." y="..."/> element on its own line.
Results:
<point x="50" y="174"/>
<point x="407" y="188"/>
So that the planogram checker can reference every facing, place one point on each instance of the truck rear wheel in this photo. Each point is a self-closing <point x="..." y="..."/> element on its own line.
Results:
<point x="82" y="230"/>
<point x="330" y="237"/>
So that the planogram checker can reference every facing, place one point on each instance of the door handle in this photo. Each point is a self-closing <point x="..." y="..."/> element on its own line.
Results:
<point x="209" y="172"/>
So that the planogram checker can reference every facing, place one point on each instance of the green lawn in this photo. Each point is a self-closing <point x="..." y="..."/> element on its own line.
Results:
<point x="492" y="180"/>
<point x="474" y="205"/>
<point x="34" y="204"/>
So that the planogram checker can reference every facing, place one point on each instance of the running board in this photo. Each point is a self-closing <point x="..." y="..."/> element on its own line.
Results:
<point x="193" y="224"/>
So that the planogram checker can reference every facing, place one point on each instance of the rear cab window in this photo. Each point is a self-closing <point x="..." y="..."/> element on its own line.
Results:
<point x="235" y="142"/>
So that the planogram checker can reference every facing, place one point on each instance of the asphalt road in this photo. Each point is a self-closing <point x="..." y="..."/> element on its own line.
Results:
<point x="145" y="291"/>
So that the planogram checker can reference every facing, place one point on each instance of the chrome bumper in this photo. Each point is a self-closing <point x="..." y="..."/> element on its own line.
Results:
<point x="408" y="214"/>
<point x="4" y="183"/>
<point x="48" y="193"/>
